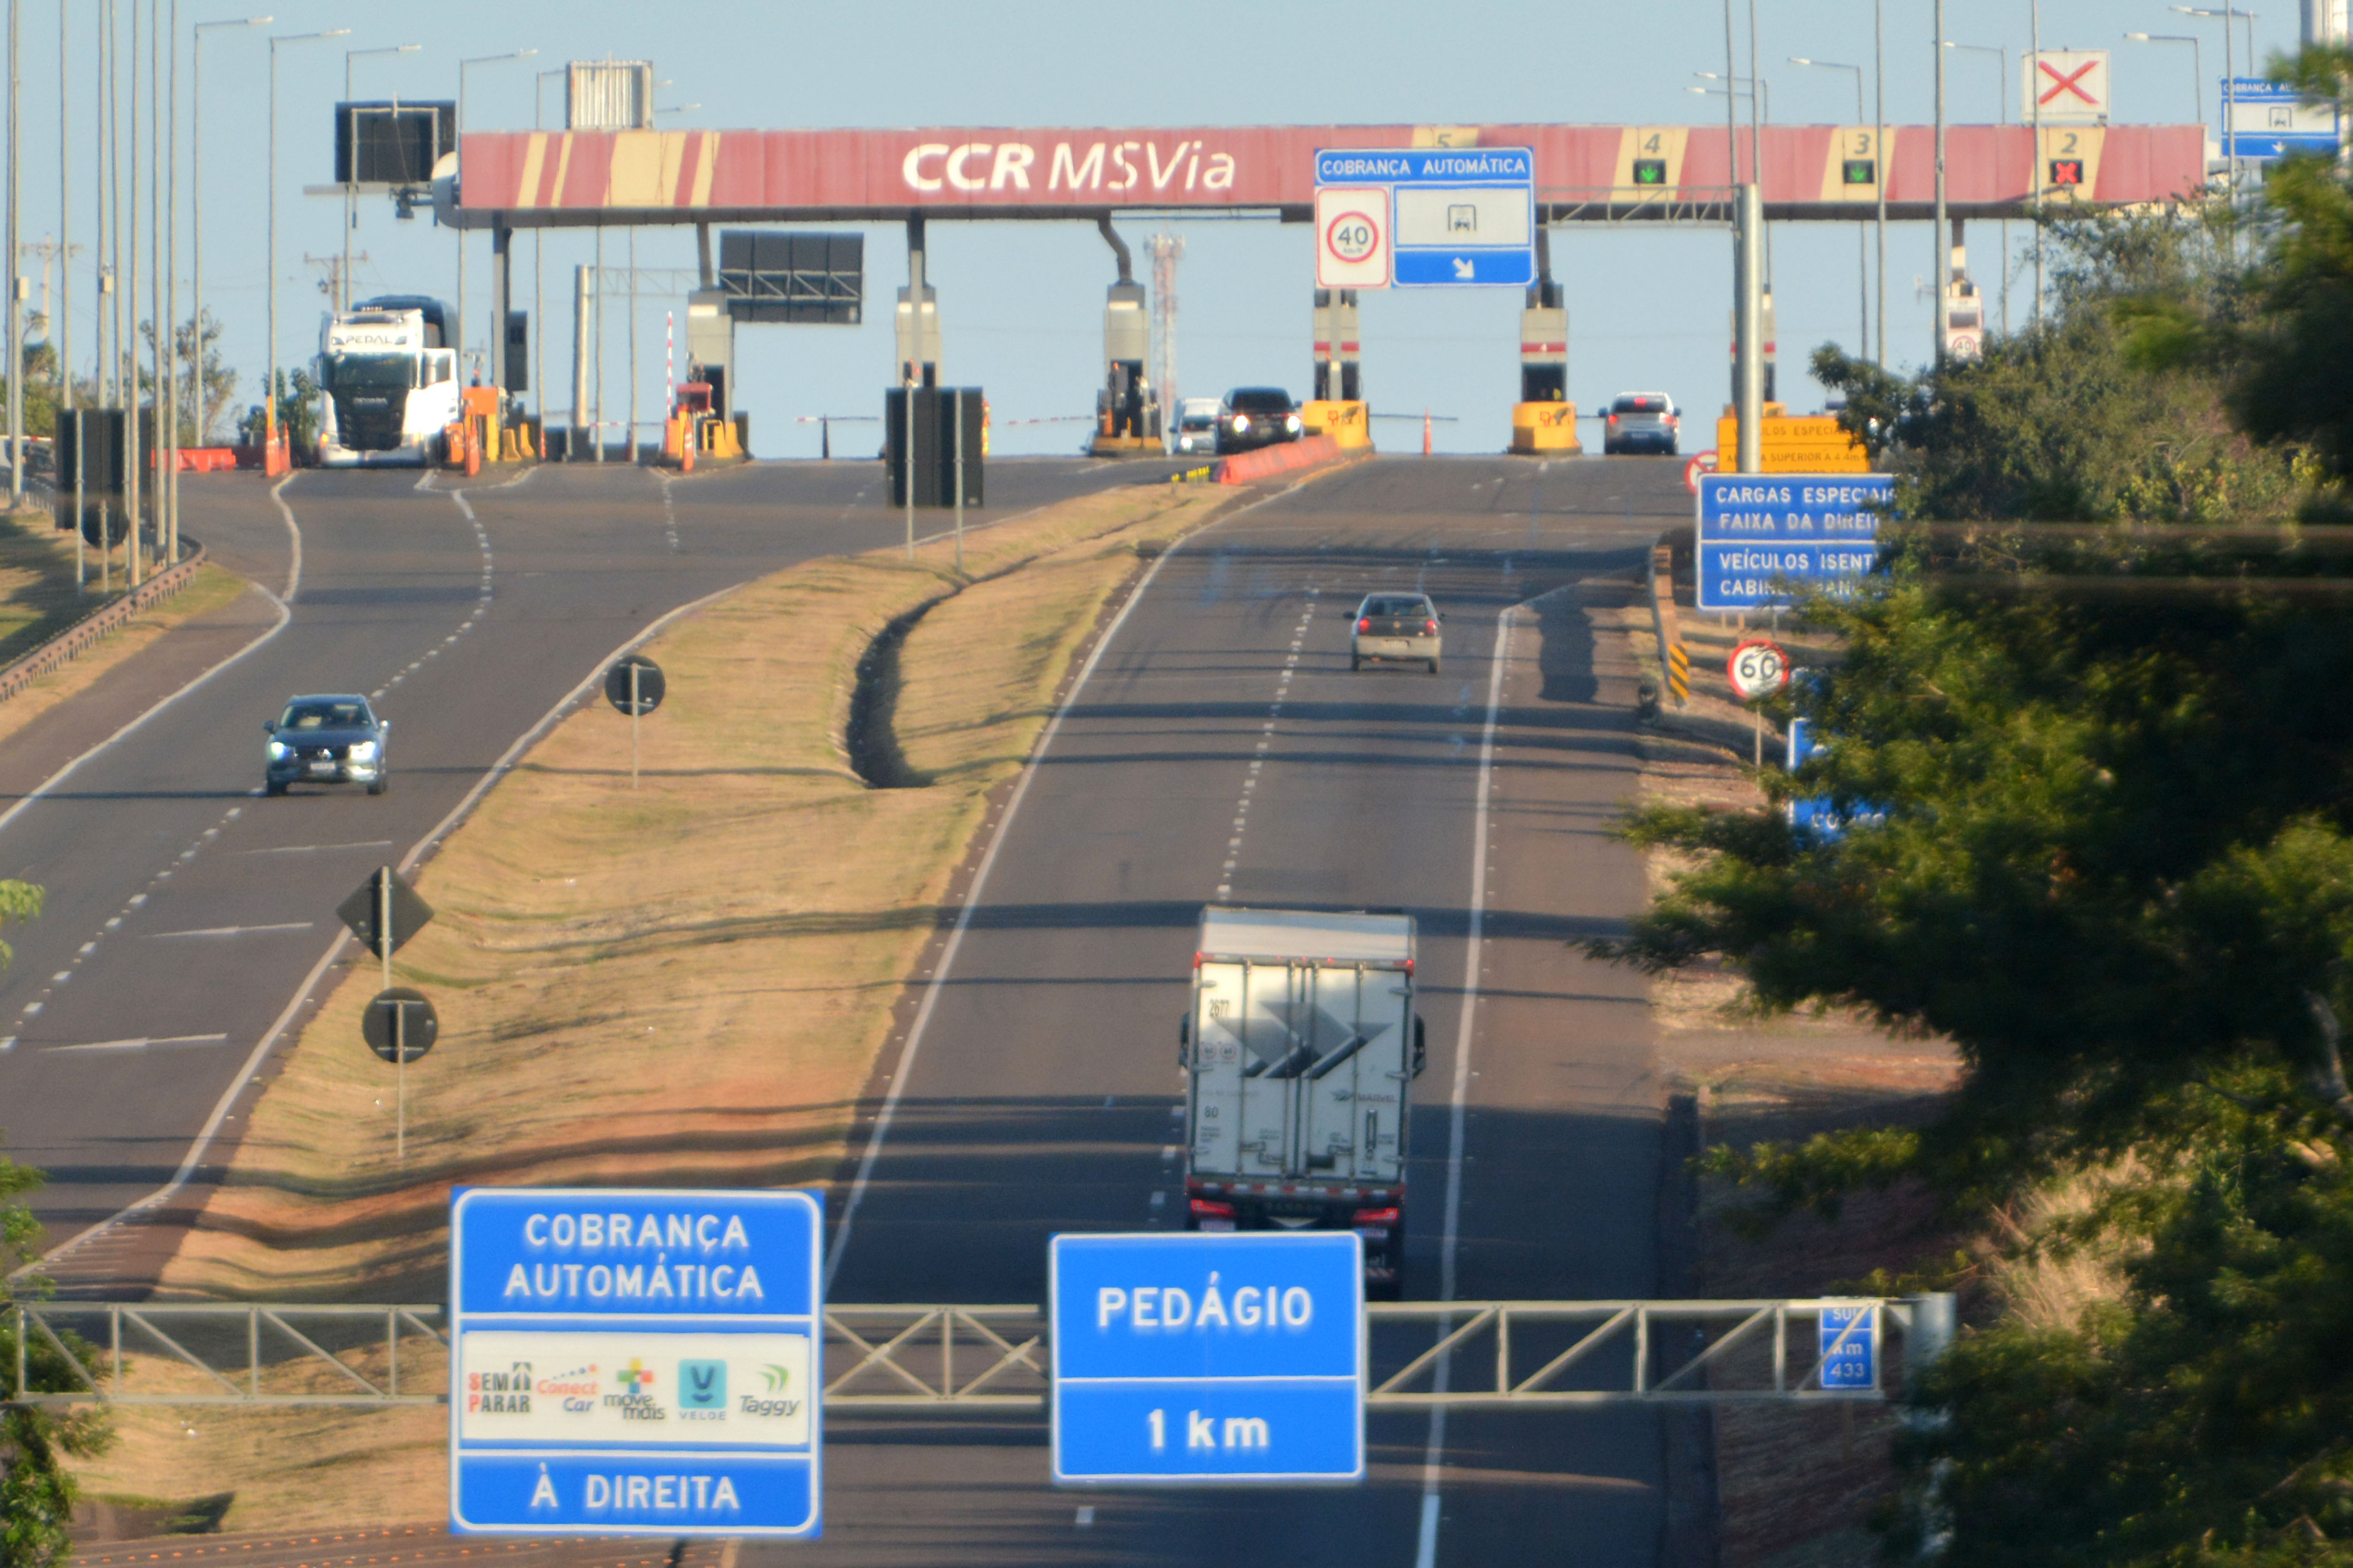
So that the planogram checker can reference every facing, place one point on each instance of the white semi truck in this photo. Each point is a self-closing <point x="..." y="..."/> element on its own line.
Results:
<point x="1300" y="1052"/>
<point x="387" y="384"/>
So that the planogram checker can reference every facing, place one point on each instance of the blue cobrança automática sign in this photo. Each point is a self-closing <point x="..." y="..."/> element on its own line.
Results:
<point x="636" y="1362"/>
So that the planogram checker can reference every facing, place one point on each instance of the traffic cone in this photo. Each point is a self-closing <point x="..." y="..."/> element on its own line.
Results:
<point x="1425" y="432"/>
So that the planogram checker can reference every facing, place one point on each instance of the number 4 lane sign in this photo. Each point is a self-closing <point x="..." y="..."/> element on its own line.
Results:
<point x="1352" y="236"/>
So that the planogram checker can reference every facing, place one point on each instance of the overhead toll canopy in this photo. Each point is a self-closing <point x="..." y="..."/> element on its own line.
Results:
<point x="527" y="179"/>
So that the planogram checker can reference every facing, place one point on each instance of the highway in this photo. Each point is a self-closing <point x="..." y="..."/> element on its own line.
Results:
<point x="186" y="917"/>
<point x="1200" y="762"/>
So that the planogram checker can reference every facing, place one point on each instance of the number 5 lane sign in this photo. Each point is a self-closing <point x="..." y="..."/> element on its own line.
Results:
<point x="1206" y="1358"/>
<point x="1352" y="236"/>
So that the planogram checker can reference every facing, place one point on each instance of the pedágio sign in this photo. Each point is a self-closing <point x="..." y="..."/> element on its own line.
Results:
<point x="635" y="1363"/>
<point x="1767" y="538"/>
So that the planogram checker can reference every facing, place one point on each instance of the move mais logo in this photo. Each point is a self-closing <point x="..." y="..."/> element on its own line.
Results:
<point x="637" y="1377"/>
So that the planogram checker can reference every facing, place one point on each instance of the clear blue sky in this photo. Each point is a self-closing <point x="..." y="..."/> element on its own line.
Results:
<point x="1021" y="303"/>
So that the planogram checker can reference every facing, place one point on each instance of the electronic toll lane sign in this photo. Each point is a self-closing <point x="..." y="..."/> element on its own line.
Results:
<point x="1419" y="217"/>
<point x="627" y="1362"/>
<point x="1767" y="538"/>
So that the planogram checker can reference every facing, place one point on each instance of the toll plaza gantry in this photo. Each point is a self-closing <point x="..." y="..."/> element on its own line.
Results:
<point x="505" y="181"/>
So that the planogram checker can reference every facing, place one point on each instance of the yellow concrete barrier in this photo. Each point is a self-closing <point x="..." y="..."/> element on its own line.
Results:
<point x="1545" y="427"/>
<point x="1812" y="444"/>
<point x="1348" y="423"/>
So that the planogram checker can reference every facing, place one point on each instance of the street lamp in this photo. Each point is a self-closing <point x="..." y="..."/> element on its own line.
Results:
<point x="2197" y="70"/>
<point x="1879" y="173"/>
<point x="270" y="380"/>
<point x="463" y="67"/>
<point x="197" y="191"/>
<point x="2228" y="15"/>
<point x="2002" y="109"/>
<point x="352" y="173"/>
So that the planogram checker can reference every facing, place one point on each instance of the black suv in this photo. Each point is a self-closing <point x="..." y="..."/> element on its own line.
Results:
<point x="333" y="738"/>
<point x="1256" y="416"/>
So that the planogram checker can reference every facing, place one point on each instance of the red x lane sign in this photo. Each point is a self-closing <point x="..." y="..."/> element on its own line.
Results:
<point x="2067" y="87"/>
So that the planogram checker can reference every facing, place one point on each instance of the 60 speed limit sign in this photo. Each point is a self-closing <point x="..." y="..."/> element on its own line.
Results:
<point x="1759" y="669"/>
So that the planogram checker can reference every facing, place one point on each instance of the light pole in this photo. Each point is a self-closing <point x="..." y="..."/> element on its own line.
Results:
<point x="352" y="173"/>
<point x="538" y="274"/>
<point x="2197" y="70"/>
<point x="197" y="191"/>
<point x="2227" y="16"/>
<point x="16" y="289"/>
<point x="1943" y="237"/>
<point x="1862" y="264"/>
<point x="269" y="381"/>
<point x="2001" y="112"/>
<point x="463" y="67"/>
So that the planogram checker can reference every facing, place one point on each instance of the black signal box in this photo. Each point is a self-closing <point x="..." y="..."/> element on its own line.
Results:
<point x="1650" y="171"/>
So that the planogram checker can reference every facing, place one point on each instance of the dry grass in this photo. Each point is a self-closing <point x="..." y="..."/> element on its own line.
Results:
<point x="37" y="601"/>
<point x="684" y="985"/>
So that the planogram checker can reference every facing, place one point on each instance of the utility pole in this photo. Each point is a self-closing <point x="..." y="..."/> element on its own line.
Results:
<point x="63" y="329"/>
<point x="16" y="277"/>
<point x="1944" y="235"/>
<point x="1880" y="150"/>
<point x="2034" y="172"/>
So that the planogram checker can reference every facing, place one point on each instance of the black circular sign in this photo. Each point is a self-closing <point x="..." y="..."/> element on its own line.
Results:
<point x="650" y="684"/>
<point x="419" y="1026"/>
<point x="111" y="520"/>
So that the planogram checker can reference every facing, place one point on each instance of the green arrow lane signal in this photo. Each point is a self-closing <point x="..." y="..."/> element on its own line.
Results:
<point x="1862" y="172"/>
<point x="1650" y="171"/>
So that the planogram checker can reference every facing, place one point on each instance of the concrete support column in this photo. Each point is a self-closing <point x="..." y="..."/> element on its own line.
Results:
<point x="1747" y="287"/>
<point x="501" y="299"/>
<point x="584" y="286"/>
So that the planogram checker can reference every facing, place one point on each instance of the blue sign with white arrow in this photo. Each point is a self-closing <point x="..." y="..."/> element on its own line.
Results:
<point x="636" y="1362"/>
<point x="1190" y="1358"/>
<point x="1459" y="216"/>
<point x="1849" y="1333"/>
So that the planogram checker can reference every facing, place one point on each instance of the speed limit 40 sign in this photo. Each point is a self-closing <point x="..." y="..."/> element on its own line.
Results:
<point x="1352" y="236"/>
<point x="1759" y="669"/>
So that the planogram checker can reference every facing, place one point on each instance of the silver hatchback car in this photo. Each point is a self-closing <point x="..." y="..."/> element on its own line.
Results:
<point x="1641" y="422"/>
<point x="1402" y="627"/>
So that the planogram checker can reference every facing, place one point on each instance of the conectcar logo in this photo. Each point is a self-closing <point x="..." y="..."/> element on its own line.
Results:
<point x="1098" y="166"/>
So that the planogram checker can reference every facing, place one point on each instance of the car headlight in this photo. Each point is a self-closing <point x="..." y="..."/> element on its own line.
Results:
<point x="1241" y="423"/>
<point x="278" y="751"/>
<point x="364" y="752"/>
<point x="1292" y="423"/>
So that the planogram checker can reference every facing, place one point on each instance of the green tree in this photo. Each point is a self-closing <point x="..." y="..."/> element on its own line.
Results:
<point x="36" y="1489"/>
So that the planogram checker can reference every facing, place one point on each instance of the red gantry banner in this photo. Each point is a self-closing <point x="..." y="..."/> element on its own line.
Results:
<point x="1808" y="171"/>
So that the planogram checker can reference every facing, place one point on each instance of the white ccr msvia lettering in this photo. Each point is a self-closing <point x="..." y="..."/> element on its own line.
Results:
<point x="956" y="161"/>
<point x="913" y="168"/>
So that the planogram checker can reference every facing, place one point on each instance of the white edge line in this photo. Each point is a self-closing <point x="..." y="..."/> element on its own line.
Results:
<point x="882" y="1118"/>
<point x="498" y="769"/>
<point x="1426" y="1552"/>
<point x="294" y="533"/>
<point x="293" y="583"/>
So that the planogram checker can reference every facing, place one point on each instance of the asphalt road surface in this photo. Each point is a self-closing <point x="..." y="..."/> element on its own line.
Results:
<point x="186" y="916"/>
<point x="1223" y="750"/>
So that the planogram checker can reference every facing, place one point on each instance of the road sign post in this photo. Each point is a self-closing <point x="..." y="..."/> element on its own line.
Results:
<point x="1758" y="668"/>
<point x="1195" y="1358"/>
<point x="1416" y="218"/>
<point x="634" y="685"/>
<point x="384" y="913"/>
<point x="1764" y="538"/>
<point x="636" y="1362"/>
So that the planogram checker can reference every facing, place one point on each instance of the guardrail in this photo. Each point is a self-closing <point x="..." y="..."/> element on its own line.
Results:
<point x="76" y="639"/>
<point x="919" y="1357"/>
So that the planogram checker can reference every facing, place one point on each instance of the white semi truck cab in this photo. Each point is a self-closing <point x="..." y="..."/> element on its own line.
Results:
<point x="1300" y="1052"/>
<point x="388" y="387"/>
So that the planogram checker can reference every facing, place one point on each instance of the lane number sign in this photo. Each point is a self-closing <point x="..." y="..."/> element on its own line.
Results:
<point x="1759" y="669"/>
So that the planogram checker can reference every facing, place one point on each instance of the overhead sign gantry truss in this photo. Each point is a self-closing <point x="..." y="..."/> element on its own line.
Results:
<point x="530" y="179"/>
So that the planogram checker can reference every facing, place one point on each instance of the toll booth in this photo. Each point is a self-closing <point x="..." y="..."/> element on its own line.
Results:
<point x="710" y="348"/>
<point x="918" y="336"/>
<point x="1127" y="406"/>
<point x="1339" y="375"/>
<point x="1544" y="421"/>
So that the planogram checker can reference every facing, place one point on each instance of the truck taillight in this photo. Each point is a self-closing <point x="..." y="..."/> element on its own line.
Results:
<point x="1367" y="1219"/>
<point x="1209" y="1208"/>
<point x="1366" y="625"/>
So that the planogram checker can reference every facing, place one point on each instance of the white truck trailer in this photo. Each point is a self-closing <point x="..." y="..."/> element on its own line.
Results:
<point x="1300" y="1051"/>
<point x="387" y="387"/>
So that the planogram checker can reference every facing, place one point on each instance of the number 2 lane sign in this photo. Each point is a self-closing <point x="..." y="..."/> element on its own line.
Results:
<point x="1351" y="237"/>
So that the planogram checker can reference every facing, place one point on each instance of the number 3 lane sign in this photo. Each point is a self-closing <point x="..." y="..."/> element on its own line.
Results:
<point x="1351" y="237"/>
<point x="1759" y="669"/>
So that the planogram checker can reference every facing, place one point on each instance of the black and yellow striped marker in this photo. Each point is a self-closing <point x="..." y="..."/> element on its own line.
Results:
<point x="1679" y="672"/>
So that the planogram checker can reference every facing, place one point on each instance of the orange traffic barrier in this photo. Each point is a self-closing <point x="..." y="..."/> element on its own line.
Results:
<point x="1248" y="467"/>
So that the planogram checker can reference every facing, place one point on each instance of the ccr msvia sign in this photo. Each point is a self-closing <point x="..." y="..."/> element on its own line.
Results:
<point x="1189" y="1357"/>
<point x="1765" y="539"/>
